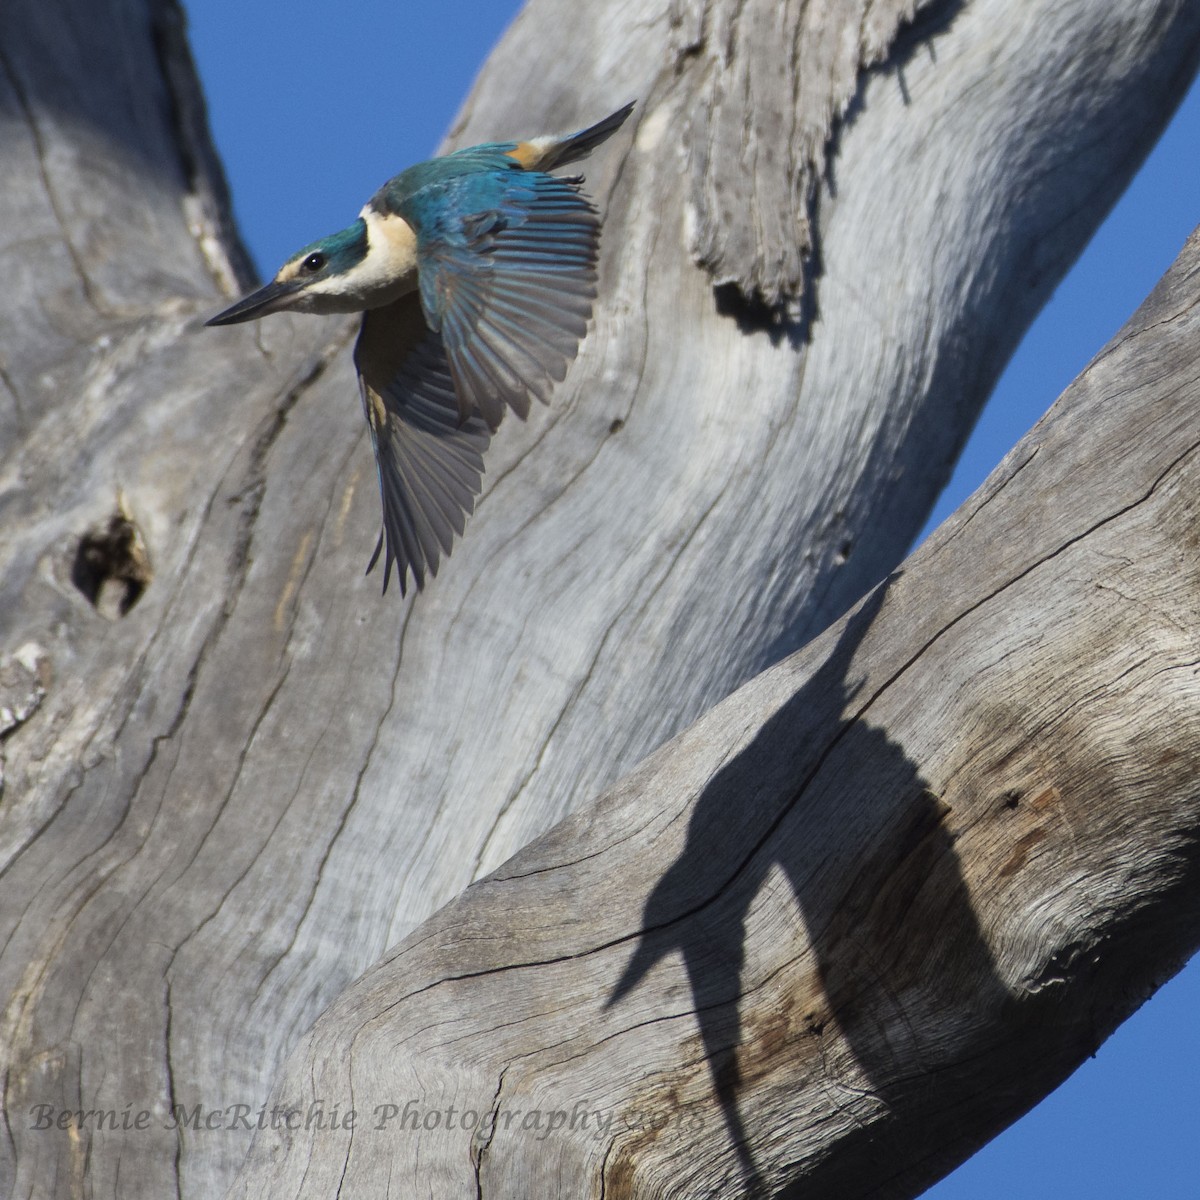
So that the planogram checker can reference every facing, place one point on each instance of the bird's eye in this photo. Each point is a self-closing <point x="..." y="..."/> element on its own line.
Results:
<point x="314" y="262"/>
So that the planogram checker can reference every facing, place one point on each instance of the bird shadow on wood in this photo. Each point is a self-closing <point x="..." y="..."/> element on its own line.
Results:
<point x="880" y="890"/>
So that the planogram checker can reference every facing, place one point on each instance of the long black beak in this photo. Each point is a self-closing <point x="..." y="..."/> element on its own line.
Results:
<point x="267" y="299"/>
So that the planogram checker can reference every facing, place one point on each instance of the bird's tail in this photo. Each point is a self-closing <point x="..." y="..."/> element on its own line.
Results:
<point x="571" y="147"/>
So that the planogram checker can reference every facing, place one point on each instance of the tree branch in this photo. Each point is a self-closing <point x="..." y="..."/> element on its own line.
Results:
<point x="866" y="911"/>
<point x="223" y="806"/>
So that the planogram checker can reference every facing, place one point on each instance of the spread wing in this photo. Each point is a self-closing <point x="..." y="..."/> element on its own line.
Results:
<point x="509" y="286"/>
<point x="430" y="461"/>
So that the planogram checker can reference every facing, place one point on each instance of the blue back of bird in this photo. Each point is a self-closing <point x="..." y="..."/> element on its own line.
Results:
<point x="467" y="181"/>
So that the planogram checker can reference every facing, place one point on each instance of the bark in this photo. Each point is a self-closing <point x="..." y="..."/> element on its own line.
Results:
<point x="234" y="775"/>
<point x="867" y="910"/>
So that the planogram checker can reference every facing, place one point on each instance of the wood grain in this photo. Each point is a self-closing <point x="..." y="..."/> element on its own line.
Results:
<point x="221" y="808"/>
<point x="864" y="912"/>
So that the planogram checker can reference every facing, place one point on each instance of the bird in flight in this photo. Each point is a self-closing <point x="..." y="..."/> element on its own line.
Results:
<point x="475" y="274"/>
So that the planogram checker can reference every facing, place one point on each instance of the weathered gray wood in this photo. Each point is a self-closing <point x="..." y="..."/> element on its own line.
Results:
<point x="221" y="808"/>
<point x="756" y="161"/>
<point x="864" y="912"/>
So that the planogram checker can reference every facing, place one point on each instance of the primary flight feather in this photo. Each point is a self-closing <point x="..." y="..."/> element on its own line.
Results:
<point x="475" y="274"/>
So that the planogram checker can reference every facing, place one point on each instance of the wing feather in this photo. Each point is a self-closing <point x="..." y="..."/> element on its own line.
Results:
<point x="430" y="461"/>
<point x="510" y="289"/>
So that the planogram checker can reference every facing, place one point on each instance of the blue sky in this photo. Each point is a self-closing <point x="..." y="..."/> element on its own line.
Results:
<point x="313" y="112"/>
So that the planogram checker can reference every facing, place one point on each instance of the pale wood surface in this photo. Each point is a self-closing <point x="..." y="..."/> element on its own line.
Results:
<point x="866" y="910"/>
<point x="221" y="808"/>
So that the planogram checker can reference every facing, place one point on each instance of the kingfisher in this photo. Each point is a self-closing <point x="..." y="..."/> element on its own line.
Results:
<point x="475" y="273"/>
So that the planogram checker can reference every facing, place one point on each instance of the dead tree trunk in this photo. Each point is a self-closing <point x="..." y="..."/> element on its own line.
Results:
<point x="222" y="806"/>
<point x="867" y="910"/>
